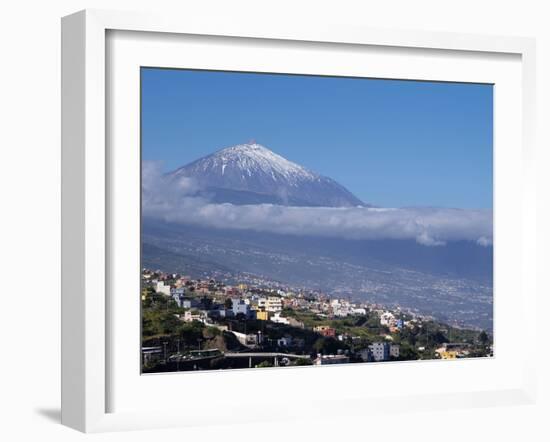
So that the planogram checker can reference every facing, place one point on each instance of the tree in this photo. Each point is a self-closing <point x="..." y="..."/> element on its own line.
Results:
<point x="483" y="338"/>
<point x="407" y="353"/>
<point x="228" y="303"/>
<point x="210" y="332"/>
<point x="190" y="333"/>
<point x="326" y="346"/>
<point x="169" y="323"/>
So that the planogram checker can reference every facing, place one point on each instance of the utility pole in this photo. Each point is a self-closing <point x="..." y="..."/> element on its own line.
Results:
<point x="165" y="356"/>
<point x="179" y="355"/>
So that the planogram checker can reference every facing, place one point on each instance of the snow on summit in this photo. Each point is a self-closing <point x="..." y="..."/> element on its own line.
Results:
<point x="251" y="158"/>
<point x="252" y="174"/>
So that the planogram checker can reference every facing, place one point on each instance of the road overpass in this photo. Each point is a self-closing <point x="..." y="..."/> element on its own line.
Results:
<point x="275" y="355"/>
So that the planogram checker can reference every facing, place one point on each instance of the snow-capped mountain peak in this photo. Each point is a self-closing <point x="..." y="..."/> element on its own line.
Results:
<point x="253" y="158"/>
<point x="251" y="173"/>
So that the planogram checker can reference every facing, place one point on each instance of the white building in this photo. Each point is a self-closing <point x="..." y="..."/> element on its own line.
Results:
<point x="190" y="316"/>
<point x="387" y="319"/>
<point x="240" y="306"/>
<point x="248" y="340"/>
<point x="276" y="317"/>
<point x="162" y="288"/>
<point x="270" y="304"/>
<point x="340" y="308"/>
<point x="380" y="351"/>
<point x="178" y="295"/>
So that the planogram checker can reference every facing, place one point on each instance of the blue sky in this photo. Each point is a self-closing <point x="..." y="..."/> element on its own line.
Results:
<point x="392" y="143"/>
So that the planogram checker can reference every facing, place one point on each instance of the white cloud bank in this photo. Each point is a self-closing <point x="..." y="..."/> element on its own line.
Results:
<point x="178" y="202"/>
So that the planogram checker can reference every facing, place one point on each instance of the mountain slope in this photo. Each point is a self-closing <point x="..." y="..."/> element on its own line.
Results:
<point x="452" y="282"/>
<point x="253" y="174"/>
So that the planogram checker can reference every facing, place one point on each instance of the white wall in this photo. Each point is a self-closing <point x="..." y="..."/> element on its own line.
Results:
<point x="30" y="181"/>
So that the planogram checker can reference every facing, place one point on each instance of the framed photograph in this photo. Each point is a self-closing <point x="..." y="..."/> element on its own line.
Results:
<point x="320" y="213"/>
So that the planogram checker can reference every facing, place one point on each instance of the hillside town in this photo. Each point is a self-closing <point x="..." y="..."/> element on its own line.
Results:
<point x="206" y="324"/>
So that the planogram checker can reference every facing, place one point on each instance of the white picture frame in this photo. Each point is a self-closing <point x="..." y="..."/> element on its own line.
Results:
<point x="87" y="205"/>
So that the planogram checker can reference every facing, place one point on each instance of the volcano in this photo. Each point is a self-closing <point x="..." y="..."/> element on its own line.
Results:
<point x="253" y="174"/>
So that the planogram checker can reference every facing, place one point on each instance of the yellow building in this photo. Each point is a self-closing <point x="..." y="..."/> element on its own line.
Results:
<point x="144" y="294"/>
<point x="448" y="354"/>
<point x="262" y="315"/>
<point x="242" y="286"/>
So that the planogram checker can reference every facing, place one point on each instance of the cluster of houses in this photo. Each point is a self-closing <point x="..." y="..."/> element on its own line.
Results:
<point x="267" y="301"/>
<point x="187" y="294"/>
<point x="376" y="352"/>
<point x="389" y="320"/>
<point x="209" y="300"/>
<point x="262" y="308"/>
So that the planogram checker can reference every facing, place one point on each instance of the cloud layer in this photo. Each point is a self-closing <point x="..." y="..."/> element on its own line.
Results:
<point x="178" y="202"/>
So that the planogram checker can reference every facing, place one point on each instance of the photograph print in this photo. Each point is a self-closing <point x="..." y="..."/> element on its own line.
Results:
<point x="303" y="220"/>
